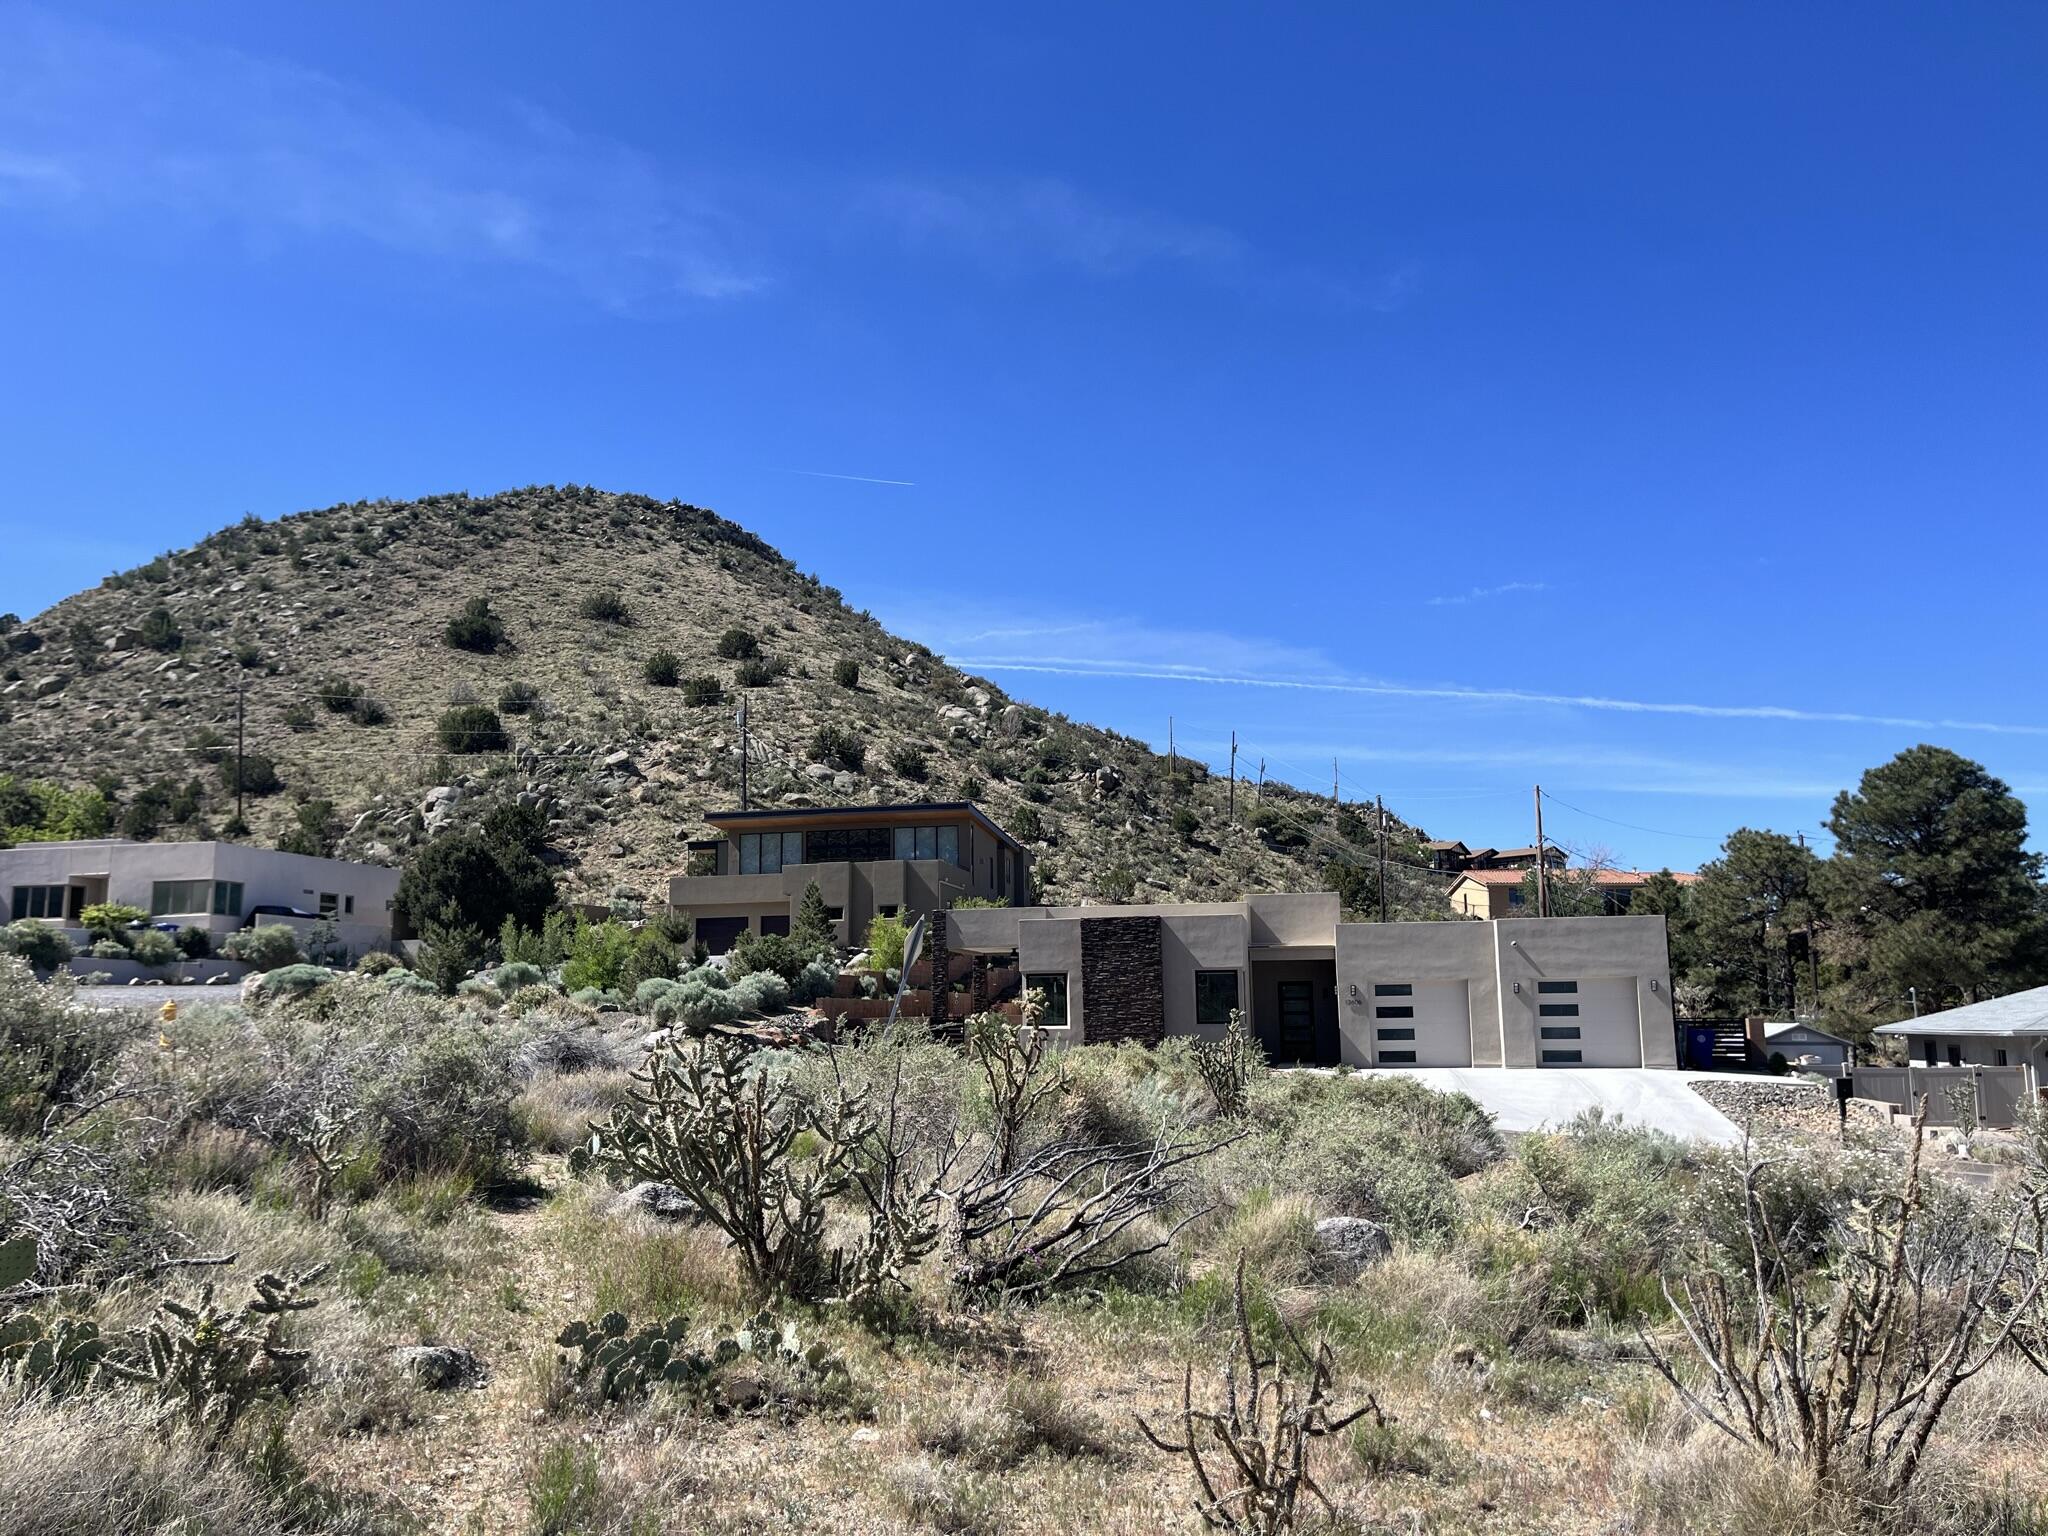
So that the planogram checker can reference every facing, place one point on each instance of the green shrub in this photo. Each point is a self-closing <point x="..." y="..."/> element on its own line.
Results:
<point x="514" y="974"/>
<point x="194" y="943"/>
<point x="520" y="698"/>
<point x="154" y="948"/>
<point x="257" y="774"/>
<point x="476" y="628"/>
<point x="759" y="671"/>
<point x="110" y="919"/>
<point x="738" y="644"/>
<point x="51" y="1050"/>
<point x="702" y="691"/>
<point x="265" y="947"/>
<point x="41" y="946"/>
<point x="299" y="717"/>
<point x="293" y="981"/>
<point x="885" y="941"/>
<point x="907" y="761"/>
<point x="598" y="956"/>
<point x="761" y="992"/>
<point x="378" y="963"/>
<point x="606" y="605"/>
<point x="771" y="952"/>
<point x="664" y="669"/>
<point x="369" y="712"/>
<point x="838" y="747"/>
<point x="472" y="728"/>
<point x="846" y="672"/>
<point x="338" y="695"/>
<point x="159" y="631"/>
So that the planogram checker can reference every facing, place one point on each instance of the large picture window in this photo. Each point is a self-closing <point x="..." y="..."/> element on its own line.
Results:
<point x="1215" y="996"/>
<point x="764" y="853"/>
<point x="1054" y="985"/>
<point x="45" y="901"/>
<point x="836" y="845"/>
<point x="942" y="843"/>
<point x="227" y="898"/>
<point x="169" y="897"/>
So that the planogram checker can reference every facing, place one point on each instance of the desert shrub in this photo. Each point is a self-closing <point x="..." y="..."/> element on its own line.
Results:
<point x="907" y="761"/>
<point x="838" y="747"/>
<point x="814" y="981"/>
<point x="475" y="628"/>
<point x="52" y="1051"/>
<point x="108" y="949"/>
<point x="605" y="605"/>
<point x="597" y="997"/>
<point x="153" y="947"/>
<point x="1001" y="1427"/>
<point x="159" y="631"/>
<point x="337" y="695"/>
<point x="885" y="940"/>
<point x="253" y="772"/>
<point x="378" y="962"/>
<point x="265" y="947"/>
<point x="653" y="991"/>
<point x="772" y="952"/>
<point x="761" y="992"/>
<point x="598" y="956"/>
<point x="699" y="1009"/>
<point x="293" y="981"/>
<point x="41" y="946"/>
<point x="520" y="698"/>
<point x="1025" y="824"/>
<point x="664" y="669"/>
<point x="738" y="644"/>
<point x="369" y="712"/>
<point x="758" y="671"/>
<point x="472" y="728"/>
<point x="515" y="974"/>
<point x="194" y="943"/>
<point x="402" y="980"/>
<point x="846" y="672"/>
<point x="702" y="690"/>
<point x="299" y="717"/>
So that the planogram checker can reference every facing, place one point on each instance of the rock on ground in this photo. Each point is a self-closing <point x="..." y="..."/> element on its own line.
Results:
<point x="1347" y="1246"/>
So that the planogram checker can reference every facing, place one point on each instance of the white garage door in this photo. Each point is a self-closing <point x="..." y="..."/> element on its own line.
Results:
<point x="1421" y="1024"/>
<point x="1588" y="1023"/>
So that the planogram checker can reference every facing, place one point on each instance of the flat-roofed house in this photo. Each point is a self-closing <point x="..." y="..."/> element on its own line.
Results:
<point x="216" y="886"/>
<point x="1495" y="893"/>
<point x="866" y="860"/>
<point x="1561" y="992"/>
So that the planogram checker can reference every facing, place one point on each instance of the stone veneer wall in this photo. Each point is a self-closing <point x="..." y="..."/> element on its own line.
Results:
<point x="1765" y="1104"/>
<point x="1123" y="987"/>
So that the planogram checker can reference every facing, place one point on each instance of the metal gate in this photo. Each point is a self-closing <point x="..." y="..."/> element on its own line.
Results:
<point x="1997" y="1093"/>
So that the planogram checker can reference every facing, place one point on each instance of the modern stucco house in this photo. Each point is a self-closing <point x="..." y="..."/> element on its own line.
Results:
<point x="1579" y="991"/>
<point x="867" y="861"/>
<point x="215" y="886"/>
<point x="2010" y="1031"/>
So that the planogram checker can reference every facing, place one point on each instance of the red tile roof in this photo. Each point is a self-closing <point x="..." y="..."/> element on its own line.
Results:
<point x="1600" y="877"/>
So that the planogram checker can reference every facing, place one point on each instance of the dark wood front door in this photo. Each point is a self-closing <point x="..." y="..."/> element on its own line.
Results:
<point x="1296" y="1036"/>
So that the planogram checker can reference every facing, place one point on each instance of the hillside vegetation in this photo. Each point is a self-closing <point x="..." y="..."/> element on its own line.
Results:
<point x="401" y="664"/>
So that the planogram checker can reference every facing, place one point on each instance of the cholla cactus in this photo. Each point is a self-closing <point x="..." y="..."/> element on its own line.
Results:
<point x="1230" y="1066"/>
<point x="54" y="1359"/>
<point x="207" y="1364"/>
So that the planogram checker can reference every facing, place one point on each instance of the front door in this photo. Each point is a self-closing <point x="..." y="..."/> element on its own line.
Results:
<point x="1295" y="1038"/>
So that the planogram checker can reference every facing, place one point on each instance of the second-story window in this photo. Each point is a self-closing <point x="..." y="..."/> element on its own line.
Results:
<point x="941" y="843"/>
<point x="764" y="853"/>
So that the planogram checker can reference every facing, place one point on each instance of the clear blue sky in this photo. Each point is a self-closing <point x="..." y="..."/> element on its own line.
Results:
<point x="1496" y="370"/>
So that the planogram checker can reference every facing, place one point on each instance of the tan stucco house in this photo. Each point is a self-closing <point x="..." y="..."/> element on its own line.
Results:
<point x="866" y="860"/>
<point x="216" y="886"/>
<point x="1497" y="893"/>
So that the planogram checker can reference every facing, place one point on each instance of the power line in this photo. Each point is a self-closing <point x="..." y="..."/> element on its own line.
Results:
<point x="1698" y="837"/>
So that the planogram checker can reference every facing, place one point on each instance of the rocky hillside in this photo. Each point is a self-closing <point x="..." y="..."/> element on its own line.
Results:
<point x="614" y="678"/>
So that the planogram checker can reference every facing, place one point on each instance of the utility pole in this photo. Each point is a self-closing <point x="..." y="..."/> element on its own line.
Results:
<point x="1262" y="779"/>
<point x="1172" y="760"/>
<point x="1542" y="864"/>
<point x="1335" y="801"/>
<point x="1380" y="804"/>
<point x="241" y="692"/>
<point x="743" y="751"/>
<point x="1233" y="776"/>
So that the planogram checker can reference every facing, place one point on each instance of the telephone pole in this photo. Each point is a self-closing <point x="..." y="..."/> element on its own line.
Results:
<point x="1380" y="804"/>
<point x="743" y="751"/>
<point x="241" y="692"/>
<point x="1542" y="864"/>
<point x="1233" y="776"/>
<point x="1172" y="760"/>
<point x="1334" y="779"/>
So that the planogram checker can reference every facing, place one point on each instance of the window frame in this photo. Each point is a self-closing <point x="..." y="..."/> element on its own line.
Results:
<point x="24" y="898"/>
<point x="1557" y="1010"/>
<point x="1394" y="1011"/>
<point x="175" y="898"/>
<point x="1562" y="1058"/>
<point x="227" y="898"/>
<point x="1033" y="982"/>
<point x="1396" y="1058"/>
<point x="1393" y="989"/>
<point x="1204" y="1002"/>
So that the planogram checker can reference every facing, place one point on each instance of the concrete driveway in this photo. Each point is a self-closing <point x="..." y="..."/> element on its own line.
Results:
<point x="1545" y="1098"/>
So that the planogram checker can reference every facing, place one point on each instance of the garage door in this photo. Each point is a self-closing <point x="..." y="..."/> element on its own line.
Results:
<point x="1421" y="1024"/>
<point x="1588" y="1023"/>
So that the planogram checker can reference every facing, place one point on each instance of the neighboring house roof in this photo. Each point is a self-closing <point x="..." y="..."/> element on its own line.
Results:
<point x="1600" y="876"/>
<point x="1795" y="1030"/>
<point x="1440" y="846"/>
<point x="899" y="814"/>
<point x="2017" y="1013"/>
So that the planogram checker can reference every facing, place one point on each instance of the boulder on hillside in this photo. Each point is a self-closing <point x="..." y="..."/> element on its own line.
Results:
<point x="1347" y="1246"/>
<point x="440" y="1367"/>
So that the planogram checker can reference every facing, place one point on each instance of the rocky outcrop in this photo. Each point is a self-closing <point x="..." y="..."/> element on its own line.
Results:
<point x="1805" y="1105"/>
<point x="1347" y="1246"/>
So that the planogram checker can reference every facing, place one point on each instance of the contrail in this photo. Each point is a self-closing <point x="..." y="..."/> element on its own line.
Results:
<point x="826" y="474"/>
<point x="1077" y="667"/>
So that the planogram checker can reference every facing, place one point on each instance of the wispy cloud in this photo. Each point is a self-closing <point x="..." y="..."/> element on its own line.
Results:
<point x="94" y="126"/>
<point x="826" y="474"/>
<point x="1016" y="225"/>
<point x="1480" y="594"/>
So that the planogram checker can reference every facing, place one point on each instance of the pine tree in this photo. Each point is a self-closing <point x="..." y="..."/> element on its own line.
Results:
<point x="812" y="932"/>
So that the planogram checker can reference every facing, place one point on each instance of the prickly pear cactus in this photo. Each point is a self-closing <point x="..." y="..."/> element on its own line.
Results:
<point x="17" y="1261"/>
<point x="619" y="1366"/>
<point x="58" y="1358"/>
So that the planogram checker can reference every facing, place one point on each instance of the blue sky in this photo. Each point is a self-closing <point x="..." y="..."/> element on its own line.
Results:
<point x="1643" y="400"/>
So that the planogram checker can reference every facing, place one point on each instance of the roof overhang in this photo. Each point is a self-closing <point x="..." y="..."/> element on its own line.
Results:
<point x="897" y="815"/>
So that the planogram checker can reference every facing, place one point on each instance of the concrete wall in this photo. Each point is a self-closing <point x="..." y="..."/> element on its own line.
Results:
<point x="1417" y="954"/>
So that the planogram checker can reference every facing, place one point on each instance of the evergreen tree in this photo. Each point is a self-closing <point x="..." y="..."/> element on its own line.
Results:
<point x="1933" y="885"/>
<point x="1748" y="904"/>
<point x="812" y="932"/>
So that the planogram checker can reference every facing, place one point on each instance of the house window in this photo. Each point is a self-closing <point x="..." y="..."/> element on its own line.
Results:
<point x="178" y="896"/>
<point x="1395" y="1034"/>
<point x="1515" y="896"/>
<point x="1955" y="1055"/>
<point x="1392" y="989"/>
<point x="856" y="845"/>
<point x="1557" y="986"/>
<point x="1398" y="1058"/>
<point x="1998" y="1056"/>
<point x="775" y="923"/>
<point x="1054" y="985"/>
<point x="1400" y="1011"/>
<point x="330" y="904"/>
<point x="348" y="906"/>
<point x="941" y="843"/>
<point x="1215" y="996"/>
<point x="1927" y="1050"/>
<point x="39" y="901"/>
<point x="764" y="853"/>
<point x="227" y="898"/>
<point x="887" y="911"/>
<point x="1561" y="1058"/>
<point x="1557" y="1010"/>
<point x="1559" y="1031"/>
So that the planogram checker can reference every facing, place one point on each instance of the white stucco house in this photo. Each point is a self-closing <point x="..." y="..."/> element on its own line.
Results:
<point x="216" y="886"/>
